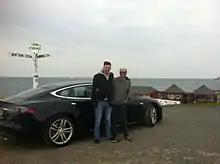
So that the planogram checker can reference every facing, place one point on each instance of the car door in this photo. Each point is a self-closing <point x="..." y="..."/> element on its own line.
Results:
<point x="130" y="112"/>
<point x="134" y="109"/>
<point x="82" y="100"/>
<point x="79" y="97"/>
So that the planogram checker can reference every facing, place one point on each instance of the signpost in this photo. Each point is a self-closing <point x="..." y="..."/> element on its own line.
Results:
<point x="35" y="48"/>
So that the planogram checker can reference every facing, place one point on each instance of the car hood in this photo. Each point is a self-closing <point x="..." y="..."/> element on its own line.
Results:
<point x="144" y="99"/>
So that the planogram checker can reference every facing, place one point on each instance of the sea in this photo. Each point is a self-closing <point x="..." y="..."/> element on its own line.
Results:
<point x="13" y="85"/>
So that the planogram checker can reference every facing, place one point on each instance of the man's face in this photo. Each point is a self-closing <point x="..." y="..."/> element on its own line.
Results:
<point x="123" y="72"/>
<point x="106" y="69"/>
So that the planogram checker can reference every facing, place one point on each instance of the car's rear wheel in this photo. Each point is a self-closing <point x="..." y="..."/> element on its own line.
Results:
<point x="59" y="131"/>
<point x="150" y="116"/>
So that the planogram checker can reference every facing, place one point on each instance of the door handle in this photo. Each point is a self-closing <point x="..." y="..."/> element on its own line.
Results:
<point x="141" y="103"/>
<point x="73" y="103"/>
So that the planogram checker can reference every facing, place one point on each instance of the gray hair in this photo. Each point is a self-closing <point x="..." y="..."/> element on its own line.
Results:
<point x="123" y="69"/>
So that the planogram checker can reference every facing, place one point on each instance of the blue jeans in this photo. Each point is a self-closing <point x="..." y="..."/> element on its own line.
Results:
<point x="103" y="106"/>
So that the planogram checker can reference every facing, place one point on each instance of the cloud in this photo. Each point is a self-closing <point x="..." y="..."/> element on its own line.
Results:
<point x="157" y="38"/>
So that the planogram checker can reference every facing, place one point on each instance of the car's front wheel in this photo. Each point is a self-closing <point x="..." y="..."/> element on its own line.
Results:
<point x="59" y="131"/>
<point x="150" y="116"/>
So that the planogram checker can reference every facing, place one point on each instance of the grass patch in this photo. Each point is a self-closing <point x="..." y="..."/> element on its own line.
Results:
<point x="191" y="104"/>
<point x="201" y="104"/>
<point x="207" y="104"/>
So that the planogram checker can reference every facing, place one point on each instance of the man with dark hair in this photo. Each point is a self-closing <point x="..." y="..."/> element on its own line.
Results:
<point x="121" y="86"/>
<point x="102" y="90"/>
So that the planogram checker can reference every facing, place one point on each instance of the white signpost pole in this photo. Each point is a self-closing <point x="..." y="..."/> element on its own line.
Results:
<point x="35" y="48"/>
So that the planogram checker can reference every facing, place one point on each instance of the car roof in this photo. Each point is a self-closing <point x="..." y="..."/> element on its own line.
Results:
<point x="58" y="85"/>
<point x="44" y="89"/>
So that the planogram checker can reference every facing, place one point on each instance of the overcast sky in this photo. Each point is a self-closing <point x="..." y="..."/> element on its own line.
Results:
<point x="152" y="38"/>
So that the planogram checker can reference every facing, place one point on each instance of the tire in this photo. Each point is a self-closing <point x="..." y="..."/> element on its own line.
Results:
<point x="150" y="116"/>
<point x="160" y="116"/>
<point x="59" y="131"/>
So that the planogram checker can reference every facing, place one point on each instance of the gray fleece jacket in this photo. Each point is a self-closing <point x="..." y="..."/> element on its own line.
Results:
<point x="121" y="90"/>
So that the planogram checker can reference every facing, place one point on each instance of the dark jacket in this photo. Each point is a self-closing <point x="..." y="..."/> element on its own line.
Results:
<point x="128" y="91"/>
<point x="102" y="88"/>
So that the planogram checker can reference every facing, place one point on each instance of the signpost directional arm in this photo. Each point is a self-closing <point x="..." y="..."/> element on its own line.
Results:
<point x="43" y="56"/>
<point x="15" y="54"/>
<point x="36" y="48"/>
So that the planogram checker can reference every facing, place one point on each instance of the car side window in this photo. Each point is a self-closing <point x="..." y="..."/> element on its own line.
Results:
<point x="65" y="92"/>
<point x="80" y="92"/>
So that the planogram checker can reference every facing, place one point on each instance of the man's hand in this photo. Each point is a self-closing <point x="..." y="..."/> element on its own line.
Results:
<point x="125" y="101"/>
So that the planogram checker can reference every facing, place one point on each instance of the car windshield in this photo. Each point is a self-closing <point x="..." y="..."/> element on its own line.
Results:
<point x="31" y="92"/>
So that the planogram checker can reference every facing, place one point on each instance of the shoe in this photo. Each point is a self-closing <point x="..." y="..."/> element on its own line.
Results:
<point x="112" y="140"/>
<point x="96" y="141"/>
<point x="128" y="138"/>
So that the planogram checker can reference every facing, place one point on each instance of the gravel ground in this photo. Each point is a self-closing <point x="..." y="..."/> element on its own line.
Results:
<point x="187" y="135"/>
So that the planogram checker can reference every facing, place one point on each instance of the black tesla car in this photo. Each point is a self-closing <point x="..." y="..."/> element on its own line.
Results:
<point x="58" y="112"/>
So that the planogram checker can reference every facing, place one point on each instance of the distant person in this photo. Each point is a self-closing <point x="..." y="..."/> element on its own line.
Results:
<point x="121" y="86"/>
<point x="102" y="90"/>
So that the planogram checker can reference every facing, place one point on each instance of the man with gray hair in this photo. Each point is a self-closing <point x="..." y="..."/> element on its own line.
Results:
<point x="121" y="86"/>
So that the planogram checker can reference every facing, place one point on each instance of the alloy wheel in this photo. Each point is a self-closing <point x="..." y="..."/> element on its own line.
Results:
<point x="153" y="115"/>
<point x="61" y="131"/>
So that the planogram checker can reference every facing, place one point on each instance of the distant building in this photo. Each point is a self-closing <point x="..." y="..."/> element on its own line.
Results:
<point x="217" y="94"/>
<point x="204" y="94"/>
<point x="174" y="92"/>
